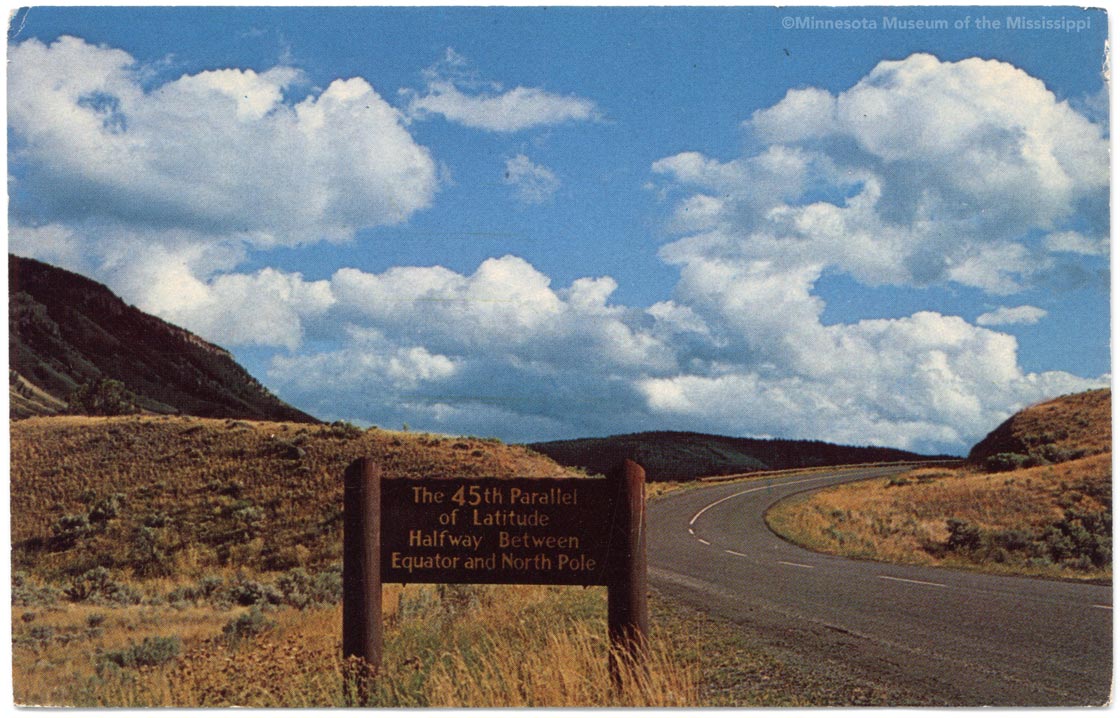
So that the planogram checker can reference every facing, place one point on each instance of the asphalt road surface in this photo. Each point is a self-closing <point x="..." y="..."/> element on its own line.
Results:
<point x="936" y="636"/>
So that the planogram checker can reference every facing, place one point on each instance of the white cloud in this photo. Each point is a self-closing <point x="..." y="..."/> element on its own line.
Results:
<point x="1076" y="243"/>
<point x="163" y="191"/>
<point x="532" y="183"/>
<point x="506" y="308"/>
<point x="53" y="243"/>
<point x="926" y="382"/>
<point x="923" y="172"/>
<point x="191" y="153"/>
<point x="266" y="308"/>
<point x="489" y="107"/>
<point x="802" y="114"/>
<point x="739" y="350"/>
<point x="1024" y="314"/>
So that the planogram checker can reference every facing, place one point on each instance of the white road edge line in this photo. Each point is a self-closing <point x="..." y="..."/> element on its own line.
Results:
<point x="910" y="580"/>
<point x="734" y="553"/>
<point x="706" y="543"/>
<point x="757" y="488"/>
<point x="798" y="565"/>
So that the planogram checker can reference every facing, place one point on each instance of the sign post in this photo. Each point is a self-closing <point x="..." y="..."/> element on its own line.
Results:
<point x="361" y="565"/>
<point x="627" y="609"/>
<point x="585" y="532"/>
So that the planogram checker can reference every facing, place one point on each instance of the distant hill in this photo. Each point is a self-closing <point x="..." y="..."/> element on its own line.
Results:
<point x="682" y="456"/>
<point x="65" y="331"/>
<point x="1068" y="427"/>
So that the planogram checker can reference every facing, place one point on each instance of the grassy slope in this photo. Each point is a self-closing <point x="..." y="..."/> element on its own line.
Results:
<point x="259" y="495"/>
<point x="1051" y="518"/>
<point x="213" y="516"/>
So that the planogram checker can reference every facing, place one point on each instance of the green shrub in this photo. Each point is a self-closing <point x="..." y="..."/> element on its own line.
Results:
<point x="102" y="397"/>
<point x="1014" y="540"/>
<point x="41" y="634"/>
<point x="963" y="536"/>
<point x="24" y="593"/>
<point x="68" y="530"/>
<point x="301" y="589"/>
<point x="208" y="588"/>
<point x="1006" y="461"/>
<point x="245" y="592"/>
<point x="1081" y="539"/>
<point x="344" y="430"/>
<point x="150" y="553"/>
<point x="96" y="586"/>
<point x="1052" y="454"/>
<point x="106" y="508"/>
<point x="248" y="625"/>
<point x="152" y="651"/>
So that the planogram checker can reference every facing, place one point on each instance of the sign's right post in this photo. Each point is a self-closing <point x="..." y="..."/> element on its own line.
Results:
<point x="627" y="609"/>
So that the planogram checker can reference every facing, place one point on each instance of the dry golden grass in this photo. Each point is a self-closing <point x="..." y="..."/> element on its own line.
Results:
<point x="1075" y="423"/>
<point x="909" y="523"/>
<point x="247" y="503"/>
<point x="475" y="646"/>
<point x="1053" y="519"/>
<point x="221" y="486"/>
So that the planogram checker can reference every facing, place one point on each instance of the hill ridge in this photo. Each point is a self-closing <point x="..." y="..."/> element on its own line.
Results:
<point x="669" y="455"/>
<point x="66" y="330"/>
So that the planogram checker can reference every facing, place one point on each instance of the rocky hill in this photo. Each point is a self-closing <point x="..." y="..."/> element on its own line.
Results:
<point x="682" y="456"/>
<point x="66" y="331"/>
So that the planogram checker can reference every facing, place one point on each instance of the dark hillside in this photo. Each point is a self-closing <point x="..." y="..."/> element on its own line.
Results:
<point x="682" y="456"/>
<point x="66" y="330"/>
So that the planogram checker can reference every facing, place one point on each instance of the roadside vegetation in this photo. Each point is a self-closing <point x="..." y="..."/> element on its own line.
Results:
<point x="192" y="562"/>
<point x="1035" y="499"/>
<point x="173" y="561"/>
<point x="444" y="646"/>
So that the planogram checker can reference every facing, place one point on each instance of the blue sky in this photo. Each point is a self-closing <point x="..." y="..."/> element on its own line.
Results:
<point x="541" y="223"/>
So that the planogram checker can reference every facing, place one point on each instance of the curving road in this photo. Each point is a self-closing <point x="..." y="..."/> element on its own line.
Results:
<point x="933" y="636"/>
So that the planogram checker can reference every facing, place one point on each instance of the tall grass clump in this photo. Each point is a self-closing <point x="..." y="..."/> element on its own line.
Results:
<point x="565" y="668"/>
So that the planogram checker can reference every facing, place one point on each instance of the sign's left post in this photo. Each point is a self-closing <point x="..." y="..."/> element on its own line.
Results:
<point x="361" y="570"/>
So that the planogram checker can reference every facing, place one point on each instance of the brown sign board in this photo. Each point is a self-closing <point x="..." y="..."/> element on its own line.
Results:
<point x="510" y="531"/>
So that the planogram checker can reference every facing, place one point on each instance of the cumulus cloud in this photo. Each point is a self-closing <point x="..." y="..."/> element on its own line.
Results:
<point x="457" y="95"/>
<point x="440" y="349"/>
<point x="532" y="183"/>
<point x="923" y="172"/>
<point x="191" y="153"/>
<point x="505" y="308"/>
<point x="163" y="190"/>
<point x="742" y="346"/>
<point x="1024" y="314"/>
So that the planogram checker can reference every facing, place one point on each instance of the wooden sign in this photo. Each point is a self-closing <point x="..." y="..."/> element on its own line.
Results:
<point x="536" y="531"/>
<point x="528" y="531"/>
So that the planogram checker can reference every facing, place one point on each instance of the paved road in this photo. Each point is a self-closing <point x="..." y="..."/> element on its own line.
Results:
<point x="942" y="637"/>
